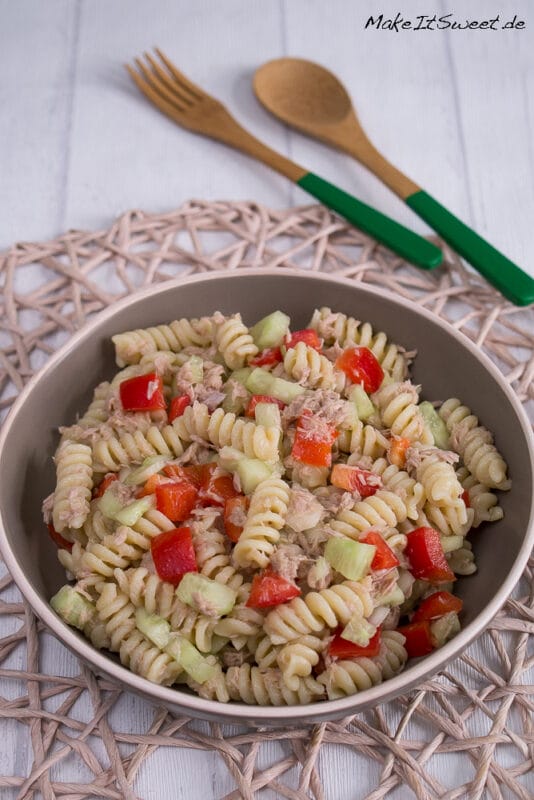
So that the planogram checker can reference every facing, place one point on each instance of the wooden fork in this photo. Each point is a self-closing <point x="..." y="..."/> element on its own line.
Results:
<point x="191" y="107"/>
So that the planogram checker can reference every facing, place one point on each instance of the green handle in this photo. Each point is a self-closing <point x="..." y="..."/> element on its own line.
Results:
<point x="398" y="238"/>
<point x="514" y="284"/>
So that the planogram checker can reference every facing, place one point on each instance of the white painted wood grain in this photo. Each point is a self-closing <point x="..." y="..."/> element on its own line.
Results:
<point x="78" y="146"/>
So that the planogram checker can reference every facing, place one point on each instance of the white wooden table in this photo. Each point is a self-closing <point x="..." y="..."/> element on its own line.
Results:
<point x="79" y="145"/>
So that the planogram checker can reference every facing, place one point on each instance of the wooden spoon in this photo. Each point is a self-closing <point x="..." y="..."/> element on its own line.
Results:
<point x="310" y="98"/>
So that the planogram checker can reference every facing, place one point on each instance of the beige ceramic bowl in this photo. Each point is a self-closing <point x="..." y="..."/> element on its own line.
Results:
<point x="447" y="365"/>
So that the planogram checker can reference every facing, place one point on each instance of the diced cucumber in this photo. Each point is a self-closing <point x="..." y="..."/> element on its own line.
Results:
<point x="436" y="425"/>
<point x="133" y="512"/>
<point x="259" y="381"/>
<point x="233" y="405"/>
<point x="268" y="415"/>
<point x="190" y="659"/>
<point x="150" y="466"/>
<point x="262" y="382"/>
<point x="351" y="559"/>
<point x="229" y="458"/>
<point x="71" y="606"/>
<point x="196" y="365"/>
<point x="393" y="598"/>
<point x="362" y="401"/>
<point x="205" y="595"/>
<point x="444" y="628"/>
<point x="154" y="627"/>
<point x="217" y="643"/>
<point x="270" y="330"/>
<point x="358" y="631"/>
<point x="252" y="472"/>
<point x="109" y="504"/>
<point x="450" y="543"/>
<point x="240" y="375"/>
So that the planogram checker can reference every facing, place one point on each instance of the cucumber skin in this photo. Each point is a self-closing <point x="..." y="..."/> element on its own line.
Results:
<point x="271" y="330"/>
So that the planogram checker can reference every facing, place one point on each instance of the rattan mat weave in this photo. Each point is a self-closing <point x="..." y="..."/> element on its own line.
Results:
<point x="479" y="711"/>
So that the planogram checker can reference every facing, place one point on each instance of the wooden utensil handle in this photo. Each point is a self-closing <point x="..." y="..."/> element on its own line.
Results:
<point x="403" y="241"/>
<point x="515" y="284"/>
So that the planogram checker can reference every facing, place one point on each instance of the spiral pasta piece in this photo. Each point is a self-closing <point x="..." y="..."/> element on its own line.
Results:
<point x="265" y="519"/>
<point x="346" y="331"/>
<point x="450" y="518"/>
<point x="439" y="479"/>
<point x="130" y="346"/>
<point x="344" y="678"/>
<point x="74" y="484"/>
<point x="297" y="659"/>
<point x="225" y="429"/>
<point x="306" y="366"/>
<point x="483" y="501"/>
<point x="462" y="560"/>
<point x="397" y="403"/>
<point x="213" y="557"/>
<point x="396" y="480"/>
<point x="268" y="688"/>
<point x="110" y="454"/>
<point x="135" y="650"/>
<point x="384" y="509"/>
<point x="329" y="607"/>
<point x="475" y="445"/>
<point x="241" y="621"/>
<point x="362" y="439"/>
<point x="234" y="342"/>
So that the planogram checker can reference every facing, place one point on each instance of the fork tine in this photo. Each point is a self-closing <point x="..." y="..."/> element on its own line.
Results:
<point x="166" y="79"/>
<point x="185" y="83"/>
<point x="171" y="110"/>
<point x="159" y="88"/>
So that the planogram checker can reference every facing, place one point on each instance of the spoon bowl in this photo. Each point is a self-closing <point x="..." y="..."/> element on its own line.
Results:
<point x="299" y="91"/>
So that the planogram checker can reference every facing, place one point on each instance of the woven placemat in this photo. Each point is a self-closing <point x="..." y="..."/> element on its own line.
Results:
<point x="479" y="711"/>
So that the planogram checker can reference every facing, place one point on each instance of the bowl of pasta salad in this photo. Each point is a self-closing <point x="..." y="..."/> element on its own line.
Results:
<point x="267" y="496"/>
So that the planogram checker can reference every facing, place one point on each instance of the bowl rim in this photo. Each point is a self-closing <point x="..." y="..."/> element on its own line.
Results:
<point x="416" y="673"/>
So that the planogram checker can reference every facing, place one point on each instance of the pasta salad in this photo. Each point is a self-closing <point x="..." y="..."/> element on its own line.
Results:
<point x="268" y="515"/>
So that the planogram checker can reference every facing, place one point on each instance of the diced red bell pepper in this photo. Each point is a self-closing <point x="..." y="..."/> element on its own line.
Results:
<point x="197" y="474"/>
<point x="262" y="398"/>
<point x="58" y="539"/>
<point x="270" y="589"/>
<point x="173" y="554"/>
<point x="397" y="450"/>
<point x="437" y="605"/>
<point x="106" y="481"/>
<point x="384" y="557"/>
<point x="342" y="648"/>
<point x="360" y="365"/>
<point x="178" y="406"/>
<point x="426" y="556"/>
<point x="151" y="484"/>
<point x="176" y="499"/>
<point x="267" y="357"/>
<point x="307" y="335"/>
<point x="465" y="498"/>
<point x="215" y="491"/>
<point x="418" y="638"/>
<point x="354" y="479"/>
<point x="313" y="441"/>
<point x="142" y="393"/>
<point x="235" y="510"/>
